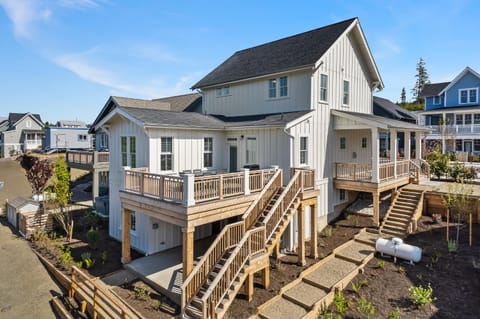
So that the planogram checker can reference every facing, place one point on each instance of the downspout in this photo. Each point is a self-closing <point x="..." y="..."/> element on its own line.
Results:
<point x="292" y="138"/>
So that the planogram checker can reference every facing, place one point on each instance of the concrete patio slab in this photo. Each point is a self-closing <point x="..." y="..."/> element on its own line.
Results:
<point x="331" y="272"/>
<point x="284" y="308"/>
<point x="356" y="251"/>
<point x="305" y="294"/>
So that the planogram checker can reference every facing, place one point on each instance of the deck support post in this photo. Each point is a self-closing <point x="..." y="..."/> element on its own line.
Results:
<point x="313" y="232"/>
<point x="188" y="190"/>
<point x="126" y="257"/>
<point x="376" y="208"/>
<point x="266" y="277"/>
<point x="95" y="184"/>
<point x="187" y="250"/>
<point x="375" y="155"/>
<point x="301" y="235"/>
<point x="249" y="287"/>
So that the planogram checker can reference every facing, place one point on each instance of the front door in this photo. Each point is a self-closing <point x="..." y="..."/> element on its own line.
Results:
<point x="233" y="158"/>
<point x="467" y="146"/>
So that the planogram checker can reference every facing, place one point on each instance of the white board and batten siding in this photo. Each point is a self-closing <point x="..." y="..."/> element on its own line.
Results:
<point x="339" y="63"/>
<point x="251" y="97"/>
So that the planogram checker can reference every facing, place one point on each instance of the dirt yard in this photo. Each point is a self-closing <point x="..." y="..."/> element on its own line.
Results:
<point x="16" y="183"/>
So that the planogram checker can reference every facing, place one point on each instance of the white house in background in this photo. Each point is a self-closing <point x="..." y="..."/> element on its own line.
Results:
<point x="21" y="132"/>
<point x="452" y="111"/>
<point x="303" y="103"/>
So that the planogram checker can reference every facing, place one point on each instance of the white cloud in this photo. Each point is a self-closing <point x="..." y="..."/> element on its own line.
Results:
<point x="82" y="65"/>
<point x="79" y="4"/>
<point x="23" y="14"/>
<point x="386" y="47"/>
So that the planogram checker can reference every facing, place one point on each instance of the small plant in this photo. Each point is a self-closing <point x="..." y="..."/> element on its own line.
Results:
<point x="420" y="276"/>
<point x="88" y="260"/>
<point x="141" y="293"/>
<point x="356" y="286"/>
<point x="421" y="296"/>
<point x="277" y="264"/>
<point x="435" y="257"/>
<point x="104" y="256"/>
<point x="347" y="216"/>
<point x="381" y="264"/>
<point x="156" y="304"/>
<point x="366" y="307"/>
<point x="93" y="235"/>
<point x="66" y="259"/>
<point x="452" y="246"/>
<point x="340" y="303"/>
<point x="328" y="232"/>
<point x="395" y="314"/>
<point x="402" y="270"/>
<point x="79" y="264"/>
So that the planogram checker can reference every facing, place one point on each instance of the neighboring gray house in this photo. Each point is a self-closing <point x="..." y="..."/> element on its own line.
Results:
<point x="20" y="132"/>
<point x="67" y="135"/>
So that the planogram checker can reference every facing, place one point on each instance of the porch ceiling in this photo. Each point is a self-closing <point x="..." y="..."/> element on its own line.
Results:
<point x="351" y="120"/>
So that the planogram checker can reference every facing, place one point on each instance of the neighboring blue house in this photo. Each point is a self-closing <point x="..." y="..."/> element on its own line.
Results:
<point x="452" y="110"/>
<point x="67" y="135"/>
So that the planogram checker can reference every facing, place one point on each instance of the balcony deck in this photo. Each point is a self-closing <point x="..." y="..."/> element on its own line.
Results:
<point x="88" y="160"/>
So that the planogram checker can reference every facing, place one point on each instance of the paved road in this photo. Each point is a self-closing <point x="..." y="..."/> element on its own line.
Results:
<point x="25" y="286"/>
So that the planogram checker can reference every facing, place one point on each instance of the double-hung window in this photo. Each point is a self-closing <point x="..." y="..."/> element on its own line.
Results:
<point x="468" y="119"/>
<point x="303" y="150"/>
<point x="133" y="151"/>
<point x="133" y="221"/>
<point x="123" y="142"/>
<point x="364" y="142"/>
<point x="166" y="153"/>
<point x="323" y="87"/>
<point x="278" y="87"/>
<point x="343" y="143"/>
<point x="436" y="100"/>
<point x="251" y="150"/>
<point x="208" y="152"/>
<point x="468" y="96"/>
<point x="222" y="91"/>
<point x="346" y="92"/>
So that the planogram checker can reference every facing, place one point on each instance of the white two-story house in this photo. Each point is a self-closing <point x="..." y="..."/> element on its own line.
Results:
<point x="292" y="117"/>
<point x="21" y="132"/>
<point x="452" y="111"/>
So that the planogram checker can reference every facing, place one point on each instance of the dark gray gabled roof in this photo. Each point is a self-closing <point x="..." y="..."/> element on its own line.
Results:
<point x="15" y="117"/>
<point x="433" y="89"/>
<point x="289" y="53"/>
<point x="163" y="118"/>
<point x="275" y="120"/>
<point x="386" y="108"/>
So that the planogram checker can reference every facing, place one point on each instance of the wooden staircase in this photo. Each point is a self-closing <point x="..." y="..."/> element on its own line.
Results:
<point x="403" y="213"/>
<point x="242" y="248"/>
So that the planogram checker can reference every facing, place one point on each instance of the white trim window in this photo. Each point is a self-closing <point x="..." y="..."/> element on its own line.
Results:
<point x="207" y="152"/>
<point x="468" y="119"/>
<point x="466" y="96"/>
<point x="323" y="94"/>
<point x="364" y="142"/>
<point x="342" y="195"/>
<point x="476" y="118"/>
<point x="437" y="100"/>
<point x="133" y="222"/>
<point x="278" y="87"/>
<point x="251" y="150"/>
<point x="346" y="92"/>
<point x="222" y="91"/>
<point x="303" y="150"/>
<point x="133" y="152"/>
<point x="343" y="143"/>
<point x="166" y="153"/>
<point x="123" y="149"/>
<point x="459" y="119"/>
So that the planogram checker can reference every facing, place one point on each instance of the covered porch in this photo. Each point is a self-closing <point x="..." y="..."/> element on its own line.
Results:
<point x="389" y="154"/>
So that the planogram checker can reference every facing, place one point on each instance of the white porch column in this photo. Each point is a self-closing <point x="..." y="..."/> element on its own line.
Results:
<point x="407" y="145"/>
<point x="418" y="145"/>
<point x="443" y="127"/>
<point x="375" y="155"/>
<point x="246" y="181"/>
<point x="394" y="151"/>
<point x="188" y="190"/>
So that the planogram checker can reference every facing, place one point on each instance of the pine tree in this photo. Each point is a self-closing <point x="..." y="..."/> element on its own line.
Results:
<point x="403" y="96"/>
<point x="421" y="79"/>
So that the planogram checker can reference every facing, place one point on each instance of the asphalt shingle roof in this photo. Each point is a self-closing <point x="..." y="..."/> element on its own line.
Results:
<point x="181" y="103"/>
<point x="386" y="108"/>
<point x="433" y="89"/>
<point x="15" y="117"/>
<point x="289" y="53"/>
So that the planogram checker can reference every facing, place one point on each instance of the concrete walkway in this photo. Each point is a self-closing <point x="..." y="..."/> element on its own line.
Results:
<point x="316" y="285"/>
<point x="25" y="286"/>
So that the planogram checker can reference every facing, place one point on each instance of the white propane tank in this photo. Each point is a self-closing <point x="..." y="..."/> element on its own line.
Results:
<point x="396" y="248"/>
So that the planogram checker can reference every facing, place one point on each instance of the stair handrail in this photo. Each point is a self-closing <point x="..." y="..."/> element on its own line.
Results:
<point x="230" y="270"/>
<point x="412" y="226"/>
<point x="294" y="186"/>
<point x="393" y="202"/>
<point x="417" y="170"/>
<point x="259" y="204"/>
<point x="425" y="166"/>
<point x="199" y="273"/>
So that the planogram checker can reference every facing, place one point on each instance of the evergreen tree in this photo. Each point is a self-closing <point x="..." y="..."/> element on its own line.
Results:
<point x="421" y="79"/>
<point x="403" y="96"/>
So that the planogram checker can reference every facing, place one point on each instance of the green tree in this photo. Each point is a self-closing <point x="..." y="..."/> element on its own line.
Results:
<point x="422" y="78"/>
<point x="438" y="162"/>
<point x="61" y="187"/>
<point x="403" y="96"/>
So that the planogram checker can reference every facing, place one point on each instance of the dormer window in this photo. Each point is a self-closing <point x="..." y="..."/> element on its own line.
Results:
<point x="437" y="100"/>
<point x="278" y="87"/>
<point x="468" y="96"/>
<point x="222" y="91"/>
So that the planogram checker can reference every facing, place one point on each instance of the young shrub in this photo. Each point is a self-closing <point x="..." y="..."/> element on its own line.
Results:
<point x="356" y="286"/>
<point x="328" y="232"/>
<point x="66" y="259"/>
<point x="141" y="293"/>
<point x="402" y="270"/>
<point x="87" y="259"/>
<point x="395" y="314"/>
<point x="381" y="264"/>
<point x="92" y="236"/>
<point x="104" y="256"/>
<point x="452" y="246"/>
<point x="366" y="308"/>
<point x="421" y="296"/>
<point x="340" y="303"/>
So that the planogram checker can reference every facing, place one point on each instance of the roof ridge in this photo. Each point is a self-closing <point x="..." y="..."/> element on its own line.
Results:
<point x="174" y="96"/>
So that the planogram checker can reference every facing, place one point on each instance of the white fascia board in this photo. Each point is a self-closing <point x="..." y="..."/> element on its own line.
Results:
<point x="458" y="77"/>
<point x="299" y="120"/>
<point x="122" y="113"/>
<point x="360" y="120"/>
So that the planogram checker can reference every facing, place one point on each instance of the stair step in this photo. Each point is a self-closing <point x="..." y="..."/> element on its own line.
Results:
<point x="398" y="218"/>
<point x="393" y="227"/>
<point x="393" y="233"/>
<point x="402" y="210"/>
<point x="392" y="222"/>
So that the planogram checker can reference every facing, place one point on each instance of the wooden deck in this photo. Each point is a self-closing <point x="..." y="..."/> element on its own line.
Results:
<point x="88" y="160"/>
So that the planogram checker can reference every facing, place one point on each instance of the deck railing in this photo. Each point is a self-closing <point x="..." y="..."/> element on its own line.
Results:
<point x="205" y="188"/>
<point x="87" y="157"/>
<point x="363" y="171"/>
<point x="228" y="238"/>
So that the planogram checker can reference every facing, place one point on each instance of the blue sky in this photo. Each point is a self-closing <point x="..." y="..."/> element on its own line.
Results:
<point x="64" y="58"/>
